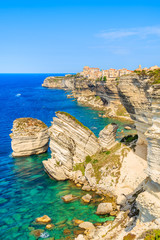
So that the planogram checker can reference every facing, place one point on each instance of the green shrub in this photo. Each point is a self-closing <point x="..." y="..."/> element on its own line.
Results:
<point x="107" y="152"/>
<point x="95" y="161"/>
<point x="129" y="236"/>
<point x="153" y="234"/>
<point x="88" y="159"/>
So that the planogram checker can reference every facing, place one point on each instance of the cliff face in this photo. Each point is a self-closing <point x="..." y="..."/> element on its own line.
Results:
<point x="102" y="95"/>
<point x="142" y="103"/>
<point x="134" y="95"/>
<point x="29" y="136"/>
<point x="149" y="201"/>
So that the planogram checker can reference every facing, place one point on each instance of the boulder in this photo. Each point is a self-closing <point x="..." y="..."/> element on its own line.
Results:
<point x="121" y="199"/>
<point x="87" y="225"/>
<point x="128" y="128"/>
<point x="43" y="220"/>
<point x="80" y="237"/>
<point x="87" y="198"/>
<point x="68" y="198"/>
<point x="104" y="208"/>
<point x="86" y="188"/>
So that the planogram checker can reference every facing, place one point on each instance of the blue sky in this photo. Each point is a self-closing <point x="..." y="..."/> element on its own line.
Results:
<point x="63" y="36"/>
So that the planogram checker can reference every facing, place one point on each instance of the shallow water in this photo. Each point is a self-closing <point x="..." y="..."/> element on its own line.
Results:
<point x="26" y="191"/>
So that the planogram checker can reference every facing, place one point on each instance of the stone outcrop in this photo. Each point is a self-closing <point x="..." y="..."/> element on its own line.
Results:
<point x="29" y="136"/>
<point x="53" y="82"/>
<point x="107" y="136"/>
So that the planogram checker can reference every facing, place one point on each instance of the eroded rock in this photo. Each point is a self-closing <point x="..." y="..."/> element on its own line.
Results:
<point x="29" y="136"/>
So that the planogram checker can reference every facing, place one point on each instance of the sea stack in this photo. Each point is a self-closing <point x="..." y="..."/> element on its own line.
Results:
<point x="29" y="136"/>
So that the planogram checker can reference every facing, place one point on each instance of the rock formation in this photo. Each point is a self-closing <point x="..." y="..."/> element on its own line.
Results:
<point x="107" y="136"/>
<point x="29" y="136"/>
<point x="71" y="142"/>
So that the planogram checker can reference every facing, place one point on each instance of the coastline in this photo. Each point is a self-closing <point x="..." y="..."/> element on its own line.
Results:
<point x="84" y="91"/>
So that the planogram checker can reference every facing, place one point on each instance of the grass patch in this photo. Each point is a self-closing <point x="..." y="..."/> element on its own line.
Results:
<point x="54" y="79"/>
<point x="98" y="98"/>
<point x="75" y="120"/>
<point x="88" y="159"/>
<point x="79" y="166"/>
<point x="28" y="125"/>
<point x="121" y="111"/>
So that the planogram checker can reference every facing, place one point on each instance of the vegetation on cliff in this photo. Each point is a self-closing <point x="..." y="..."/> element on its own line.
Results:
<point x="74" y="119"/>
<point x="153" y="234"/>
<point x="54" y="79"/>
<point x="109" y="159"/>
<point x="28" y="126"/>
<point x="154" y="75"/>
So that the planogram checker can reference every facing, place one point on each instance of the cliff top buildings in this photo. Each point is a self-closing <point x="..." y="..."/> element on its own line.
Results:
<point x="96" y="73"/>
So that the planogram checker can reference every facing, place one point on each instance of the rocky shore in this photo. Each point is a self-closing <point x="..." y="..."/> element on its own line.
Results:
<point x="29" y="136"/>
<point x="137" y="185"/>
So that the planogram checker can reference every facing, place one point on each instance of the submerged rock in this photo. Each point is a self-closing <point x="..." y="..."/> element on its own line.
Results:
<point x="50" y="226"/>
<point x="37" y="232"/>
<point x="87" y="198"/>
<point x="69" y="198"/>
<point x="77" y="221"/>
<point x="43" y="220"/>
<point x="29" y="136"/>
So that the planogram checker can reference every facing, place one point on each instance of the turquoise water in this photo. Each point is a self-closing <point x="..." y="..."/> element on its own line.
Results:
<point x="26" y="191"/>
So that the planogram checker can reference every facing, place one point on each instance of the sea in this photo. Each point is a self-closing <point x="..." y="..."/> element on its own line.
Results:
<point x="26" y="191"/>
